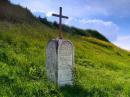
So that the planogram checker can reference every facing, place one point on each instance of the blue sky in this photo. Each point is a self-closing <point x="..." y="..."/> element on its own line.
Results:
<point x="109" y="17"/>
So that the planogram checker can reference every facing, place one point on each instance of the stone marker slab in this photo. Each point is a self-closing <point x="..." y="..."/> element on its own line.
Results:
<point x="60" y="61"/>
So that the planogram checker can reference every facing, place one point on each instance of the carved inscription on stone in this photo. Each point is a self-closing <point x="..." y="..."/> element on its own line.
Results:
<point x="65" y="57"/>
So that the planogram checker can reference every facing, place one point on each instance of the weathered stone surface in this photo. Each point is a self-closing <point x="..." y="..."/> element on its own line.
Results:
<point x="60" y="60"/>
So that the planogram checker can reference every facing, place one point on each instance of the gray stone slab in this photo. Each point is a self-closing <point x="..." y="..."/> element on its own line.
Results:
<point x="60" y="61"/>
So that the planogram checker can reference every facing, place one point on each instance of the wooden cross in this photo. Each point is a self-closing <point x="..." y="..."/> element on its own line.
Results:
<point x="60" y="22"/>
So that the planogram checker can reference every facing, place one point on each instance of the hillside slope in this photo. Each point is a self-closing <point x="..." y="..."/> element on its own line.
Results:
<point x="15" y="13"/>
<point x="101" y="69"/>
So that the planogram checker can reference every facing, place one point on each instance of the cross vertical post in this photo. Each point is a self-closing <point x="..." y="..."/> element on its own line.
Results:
<point x="60" y="22"/>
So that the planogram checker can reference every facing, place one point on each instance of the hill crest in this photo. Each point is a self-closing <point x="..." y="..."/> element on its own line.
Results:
<point x="17" y="14"/>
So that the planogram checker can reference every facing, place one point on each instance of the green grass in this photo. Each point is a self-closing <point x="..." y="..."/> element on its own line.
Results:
<point x="101" y="69"/>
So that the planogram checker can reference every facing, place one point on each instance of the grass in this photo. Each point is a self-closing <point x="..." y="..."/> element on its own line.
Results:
<point x="101" y="69"/>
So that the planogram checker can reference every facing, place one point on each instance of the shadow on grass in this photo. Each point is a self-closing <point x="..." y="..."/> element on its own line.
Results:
<point x="78" y="91"/>
<point x="6" y="80"/>
<point x="74" y="91"/>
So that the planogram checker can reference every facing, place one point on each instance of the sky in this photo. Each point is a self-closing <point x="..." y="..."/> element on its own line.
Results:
<point x="110" y="17"/>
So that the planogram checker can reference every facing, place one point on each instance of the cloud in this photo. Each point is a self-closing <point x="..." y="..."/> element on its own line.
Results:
<point x="36" y="5"/>
<point x="118" y="8"/>
<point x="122" y="41"/>
<point x="107" y="28"/>
<point x="41" y="14"/>
<point x="49" y="14"/>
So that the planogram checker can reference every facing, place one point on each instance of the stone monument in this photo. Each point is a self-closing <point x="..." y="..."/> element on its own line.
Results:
<point x="60" y="58"/>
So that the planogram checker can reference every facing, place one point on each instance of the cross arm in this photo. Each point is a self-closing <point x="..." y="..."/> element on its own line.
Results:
<point x="60" y="16"/>
<point x="65" y="17"/>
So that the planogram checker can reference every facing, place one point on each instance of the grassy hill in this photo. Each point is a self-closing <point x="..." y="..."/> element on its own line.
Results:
<point x="101" y="68"/>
